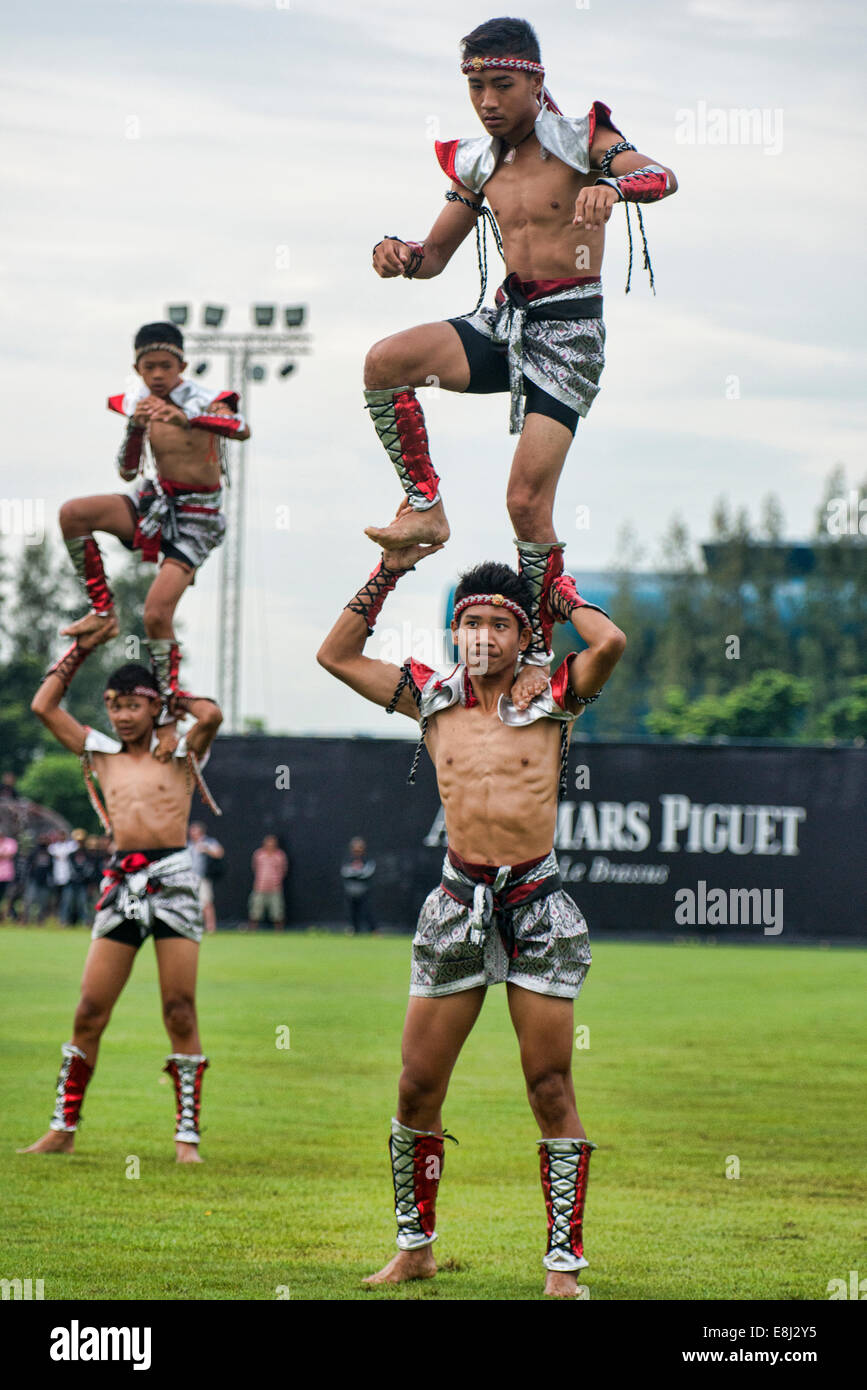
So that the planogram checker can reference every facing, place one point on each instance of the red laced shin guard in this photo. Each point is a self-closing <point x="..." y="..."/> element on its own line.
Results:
<point x="187" y="1071"/>
<point x="540" y="563"/>
<point x="399" y="421"/>
<point x="87" y="561"/>
<point x="165" y="654"/>
<point x="416" y="1164"/>
<point x="71" y="1086"/>
<point x="564" y="1168"/>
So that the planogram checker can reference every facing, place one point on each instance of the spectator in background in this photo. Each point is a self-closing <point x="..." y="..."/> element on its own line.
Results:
<point x="7" y="787"/>
<point x="73" y="897"/>
<point x="14" y="900"/>
<point x="38" y="882"/>
<point x="61" y="850"/>
<point x="205" y="851"/>
<point x="96" y="859"/>
<point x="270" y="867"/>
<point x="357" y="874"/>
<point x="8" y="854"/>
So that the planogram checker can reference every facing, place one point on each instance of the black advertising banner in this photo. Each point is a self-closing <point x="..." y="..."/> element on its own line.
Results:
<point x="653" y="838"/>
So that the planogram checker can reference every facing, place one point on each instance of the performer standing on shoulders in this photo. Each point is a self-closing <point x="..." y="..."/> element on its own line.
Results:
<point x="176" y="513"/>
<point x="149" y="886"/>
<point x="500" y="913"/>
<point x="551" y="182"/>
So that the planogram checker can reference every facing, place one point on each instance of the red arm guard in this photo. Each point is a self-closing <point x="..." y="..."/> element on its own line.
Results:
<point x="218" y="424"/>
<point x="66" y="666"/>
<point x="645" y="185"/>
<point x="368" y="602"/>
<point x="562" y="598"/>
<point x="129" y="455"/>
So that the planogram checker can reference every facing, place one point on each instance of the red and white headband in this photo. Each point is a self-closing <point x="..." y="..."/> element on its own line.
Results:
<point x="477" y="65"/>
<point x="496" y="601"/>
<point x="145" y="690"/>
<point x="516" y="64"/>
<point x="160" y="347"/>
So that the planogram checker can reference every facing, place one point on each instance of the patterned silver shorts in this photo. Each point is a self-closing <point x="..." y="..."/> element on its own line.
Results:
<point x="564" y="357"/>
<point x="189" y="525"/>
<point x="550" y="933"/>
<point x="175" y="901"/>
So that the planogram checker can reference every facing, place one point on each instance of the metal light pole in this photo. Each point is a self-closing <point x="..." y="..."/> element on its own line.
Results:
<point x="241" y="349"/>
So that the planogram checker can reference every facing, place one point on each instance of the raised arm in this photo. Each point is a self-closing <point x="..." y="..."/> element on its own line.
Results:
<point x="605" y="642"/>
<point x="208" y="717"/>
<point x="55" y="683"/>
<point x="342" y="652"/>
<point x="423" y="260"/>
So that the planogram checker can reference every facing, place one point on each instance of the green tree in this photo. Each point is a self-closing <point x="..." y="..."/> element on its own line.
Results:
<point x="679" y="657"/>
<point x="846" y="717"/>
<point x="624" y="699"/>
<point x="770" y="705"/>
<point x="55" y="780"/>
<point x="37" y="607"/>
<point x="22" y="737"/>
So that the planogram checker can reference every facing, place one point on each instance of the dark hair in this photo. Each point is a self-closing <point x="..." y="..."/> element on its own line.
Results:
<point x="502" y="38"/>
<point x="493" y="578"/>
<point x="159" y="333"/>
<point x="125" y="679"/>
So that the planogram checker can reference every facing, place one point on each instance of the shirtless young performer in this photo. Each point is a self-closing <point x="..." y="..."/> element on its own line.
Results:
<point x="500" y="913"/>
<point x="178" y="513"/>
<point x="551" y="182"/>
<point x="149" y="887"/>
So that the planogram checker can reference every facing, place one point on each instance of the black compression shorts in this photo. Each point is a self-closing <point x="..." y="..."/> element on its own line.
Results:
<point x="489" y="373"/>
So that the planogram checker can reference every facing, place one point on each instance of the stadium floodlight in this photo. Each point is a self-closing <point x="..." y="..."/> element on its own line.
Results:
<point x="213" y="315"/>
<point x="178" y="314"/>
<point x="256" y="373"/>
<point x="200" y="368"/>
<point x="294" y="314"/>
<point x="263" y="315"/>
<point x="287" y="369"/>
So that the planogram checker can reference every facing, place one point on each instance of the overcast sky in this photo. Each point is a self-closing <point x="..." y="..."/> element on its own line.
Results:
<point x="243" y="150"/>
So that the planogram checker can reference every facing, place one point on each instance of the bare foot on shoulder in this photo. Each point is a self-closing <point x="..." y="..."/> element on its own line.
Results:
<point x="187" y="1153"/>
<point x="529" y="682"/>
<point x="94" y="624"/>
<point x="561" y="1284"/>
<point x="167" y="742"/>
<point x="56" y="1141"/>
<point x="412" y="528"/>
<point x="407" y="1264"/>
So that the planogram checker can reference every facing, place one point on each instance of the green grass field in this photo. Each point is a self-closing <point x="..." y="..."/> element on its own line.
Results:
<point x="696" y="1053"/>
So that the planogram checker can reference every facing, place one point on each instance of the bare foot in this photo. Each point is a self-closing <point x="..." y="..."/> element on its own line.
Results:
<point x="167" y="742"/>
<point x="407" y="1264"/>
<point x="529" y="682"/>
<point x="412" y="528"/>
<point x="561" y="1284"/>
<point x="94" y="624"/>
<point x="187" y="1153"/>
<point x="56" y="1141"/>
